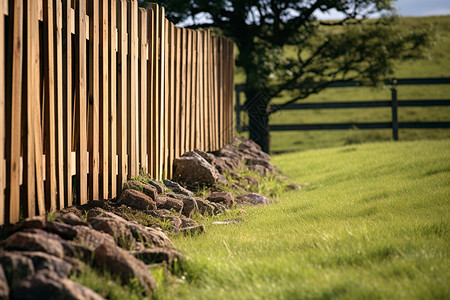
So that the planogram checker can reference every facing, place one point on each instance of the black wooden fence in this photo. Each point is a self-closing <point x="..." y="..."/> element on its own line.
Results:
<point x="394" y="103"/>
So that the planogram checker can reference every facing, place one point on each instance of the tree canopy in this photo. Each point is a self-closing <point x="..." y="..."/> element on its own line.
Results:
<point x="355" y="47"/>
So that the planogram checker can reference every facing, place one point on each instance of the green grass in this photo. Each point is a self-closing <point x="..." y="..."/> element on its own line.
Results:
<point x="372" y="223"/>
<point x="437" y="64"/>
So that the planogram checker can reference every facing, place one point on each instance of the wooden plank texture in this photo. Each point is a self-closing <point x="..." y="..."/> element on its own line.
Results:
<point x="94" y="102"/>
<point x="122" y="96"/>
<point x="151" y="89"/>
<point x="183" y="64"/>
<point x="171" y="100"/>
<point x="2" y="114"/>
<point x="112" y="101"/>
<point x="132" y="89"/>
<point x="188" y="90"/>
<point x="68" y="96"/>
<point x="178" y="88"/>
<point x="49" y="68"/>
<point x="104" y="101"/>
<point x="143" y="52"/>
<point x="166" y="98"/>
<point x="162" y="79"/>
<point x="82" y="169"/>
<point x="59" y="107"/>
<point x="15" y="51"/>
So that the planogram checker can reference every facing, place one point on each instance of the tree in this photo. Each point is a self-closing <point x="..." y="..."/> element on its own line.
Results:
<point x="355" y="47"/>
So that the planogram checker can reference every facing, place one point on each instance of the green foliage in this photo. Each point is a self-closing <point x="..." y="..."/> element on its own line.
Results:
<point x="202" y="191"/>
<point x="435" y="64"/>
<point x="371" y="224"/>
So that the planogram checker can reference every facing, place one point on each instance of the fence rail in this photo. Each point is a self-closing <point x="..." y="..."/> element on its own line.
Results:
<point x="394" y="103"/>
<point x="102" y="90"/>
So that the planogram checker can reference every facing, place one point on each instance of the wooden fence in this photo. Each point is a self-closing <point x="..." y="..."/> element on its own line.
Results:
<point x="103" y="90"/>
<point x="394" y="103"/>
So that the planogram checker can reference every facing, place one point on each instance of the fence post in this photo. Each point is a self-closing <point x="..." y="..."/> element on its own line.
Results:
<point x="394" y="110"/>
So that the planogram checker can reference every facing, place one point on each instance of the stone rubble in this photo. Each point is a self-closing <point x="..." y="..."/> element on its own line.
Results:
<point x="39" y="254"/>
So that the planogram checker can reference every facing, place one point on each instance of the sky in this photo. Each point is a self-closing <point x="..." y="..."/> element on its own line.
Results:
<point x="412" y="8"/>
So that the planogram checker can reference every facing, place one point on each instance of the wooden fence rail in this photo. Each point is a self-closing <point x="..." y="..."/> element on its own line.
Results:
<point x="394" y="103"/>
<point x="93" y="92"/>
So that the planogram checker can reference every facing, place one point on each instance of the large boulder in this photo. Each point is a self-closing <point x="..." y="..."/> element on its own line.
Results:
<point x="90" y="237"/>
<point x="34" y="241"/>
<point x="120" y="262"/>
<point x="204" y="207"/>
<point x="127" y="233"/>
<point x="145" y="188"/>
<point x="44" y="261"/>
<point x="224" y="198"/>
<point x="189" y="204"/>
<point x="16" y="267"/>
<point x="48" y="285"/>
<point x="222" y="164"/>
<point x="158" y="255"/>
<point x="160" y="188"/>
<point x="72" y="219"/>
<point x="63" y="230"/>
<point x="136" y="200"/>
<point x="193" y="170"/>
<point x="177" y="188"/>
<point x="169" y="204"/>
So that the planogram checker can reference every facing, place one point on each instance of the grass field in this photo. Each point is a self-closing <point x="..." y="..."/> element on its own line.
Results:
<point x="436" y="65"/>
<point x="372" y="223"/>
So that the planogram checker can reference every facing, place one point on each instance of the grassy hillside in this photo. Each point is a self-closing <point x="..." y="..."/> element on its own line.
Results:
<point x="437" y="64"/>
<point x="372" y="223"/>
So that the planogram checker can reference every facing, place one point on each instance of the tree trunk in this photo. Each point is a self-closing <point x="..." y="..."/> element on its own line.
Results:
<point x="258" y="114"/>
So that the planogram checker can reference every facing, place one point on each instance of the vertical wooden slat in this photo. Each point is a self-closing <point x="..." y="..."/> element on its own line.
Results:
<point x="200" y="115"/>
<point x="122" y="96"/>
<point x="221" y="102"/>
<point x="49" y="65"/>
<point x="104" y="100"/>
<point x="112" y="100"/>
<point x="166" y="98"/>
<point x="81" y="103"/>
<point x="151" y="89"/>
<point x="189" y="57"/>
<point x="216" y="91"/>
<point x="132" y="90"/>
<point x="35" y="118"/>
<point x="162" y="91"/>
<point x="59" y="106"/>
<point x="171" y="102"/>
<point x="29" y="101"/>
<point x="231" y="88"/>
<point x="156" y="96"/>
<point x="194" y="106"/>
<point x="178" y="89"/>
<point x="14" y="95"/>
<point x="143" y="89"/>
<point x="211" y="94"/>
<point x="67" y="20"/>
<point x="206" y="108"/>
<point x="3" y="117"/>
<point x="183" y="64"/>
<point x="198" y="107"/>
<point x="94" y="102"/>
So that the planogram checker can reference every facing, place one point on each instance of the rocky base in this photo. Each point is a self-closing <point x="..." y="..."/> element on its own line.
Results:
<point x="127" y="235"/>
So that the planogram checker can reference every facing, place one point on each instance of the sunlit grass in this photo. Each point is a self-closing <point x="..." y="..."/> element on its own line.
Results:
<point x="372" y="223"/>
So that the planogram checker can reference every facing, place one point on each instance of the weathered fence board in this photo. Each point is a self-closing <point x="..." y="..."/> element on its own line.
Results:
<point x="96" y="92"/>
